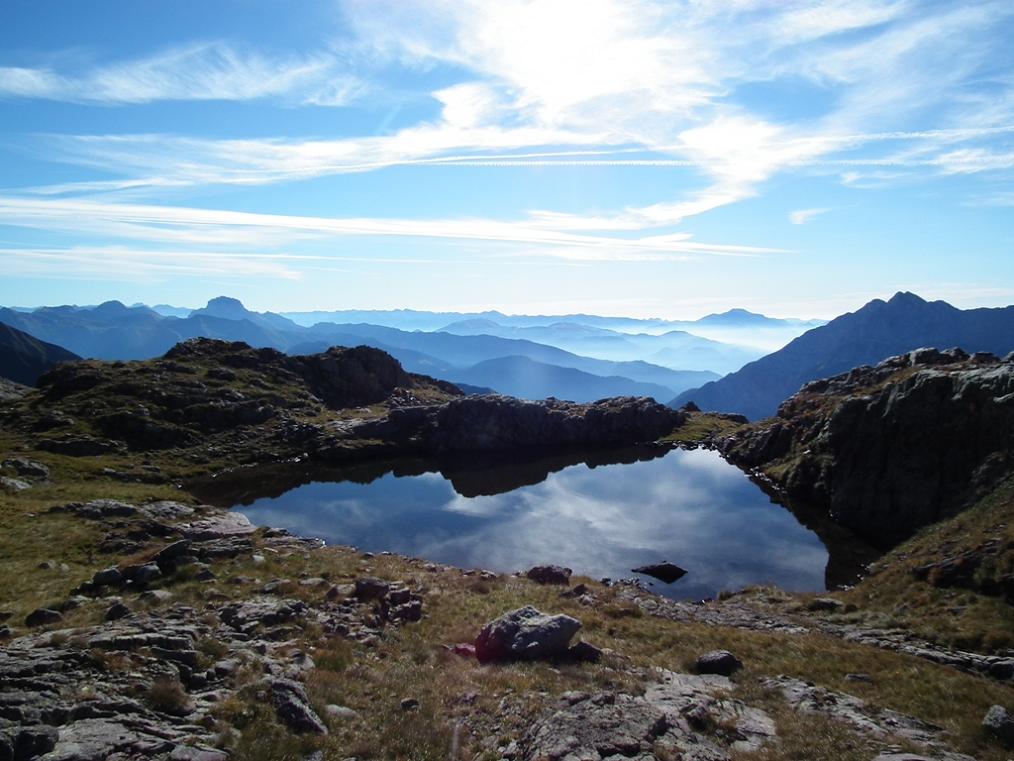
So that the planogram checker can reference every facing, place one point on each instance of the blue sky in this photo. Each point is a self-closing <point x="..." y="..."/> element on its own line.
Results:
<point x="612" y="156"/>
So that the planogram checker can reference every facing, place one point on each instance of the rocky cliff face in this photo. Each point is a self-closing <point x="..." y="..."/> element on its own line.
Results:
<point x="492" y="423"/>
<point x="891" y="448"/>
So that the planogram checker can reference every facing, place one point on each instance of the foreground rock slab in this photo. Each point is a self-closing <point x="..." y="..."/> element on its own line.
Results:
<point x="679" y="716"/>
<point x="867" y="720"/>
<point x="525" y="634"/>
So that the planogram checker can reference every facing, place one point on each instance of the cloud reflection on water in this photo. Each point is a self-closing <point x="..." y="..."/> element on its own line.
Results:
<point x="690" y="507"/>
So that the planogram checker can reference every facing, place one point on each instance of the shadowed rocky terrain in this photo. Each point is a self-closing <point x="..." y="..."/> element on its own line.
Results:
<point x="138" y="622"/>
<point x="891" y="448"/>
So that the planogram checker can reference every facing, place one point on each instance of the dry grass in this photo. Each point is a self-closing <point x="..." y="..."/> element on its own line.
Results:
<point x="962" y="618"/>
<point x="700" y="426"/>
<point x="499" y="702"/>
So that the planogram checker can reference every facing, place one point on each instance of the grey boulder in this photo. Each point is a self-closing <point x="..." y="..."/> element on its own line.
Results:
<point x="525" y="634"/>
<point x="998" y="722"/>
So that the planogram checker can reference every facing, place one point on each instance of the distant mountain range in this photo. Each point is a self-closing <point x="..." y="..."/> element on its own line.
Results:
<point x="676" y="348"/>
<point x="876" y="331"/>
<point x="114" y="331"/>
<point x="527" y="379"/>
<point x="412" y="319"/>
<point x="24" y="358"/>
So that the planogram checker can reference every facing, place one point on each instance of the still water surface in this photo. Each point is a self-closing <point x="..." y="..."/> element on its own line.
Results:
<point x="601" y="515"/>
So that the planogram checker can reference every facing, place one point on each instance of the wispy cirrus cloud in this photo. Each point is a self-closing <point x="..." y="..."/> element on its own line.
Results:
<point x="654" y="77"/>
<point x="187" y="225"/>
<point x="202" y="71"/>
<point x="802" y="216"/>
<point x="903" y="90"/>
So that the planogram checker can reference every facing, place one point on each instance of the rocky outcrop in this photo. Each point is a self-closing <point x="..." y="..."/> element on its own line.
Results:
<point x="869" y="720"/>
<point x="679" y="716"/>
<point x="204" y="387"/>
<point x="146" y="682"/>
<point x="891" y="448"/>
<point x="492" y="423"/>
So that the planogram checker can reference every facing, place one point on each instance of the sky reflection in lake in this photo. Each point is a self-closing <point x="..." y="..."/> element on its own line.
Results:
<point x="690" y="507"/>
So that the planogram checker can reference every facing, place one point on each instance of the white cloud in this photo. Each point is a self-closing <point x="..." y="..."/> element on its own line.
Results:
<point x="563" y="79"/>
<point x="802" y="216"/>
<point x="124" y="263"/>
<point x="183" y="225"/>
<point x="205" y="71"/>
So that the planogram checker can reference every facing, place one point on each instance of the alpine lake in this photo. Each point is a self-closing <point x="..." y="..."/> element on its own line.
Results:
<point x="601" y="513"/>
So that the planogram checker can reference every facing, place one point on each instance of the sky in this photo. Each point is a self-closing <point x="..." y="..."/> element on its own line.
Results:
<point x="624" y="157"/>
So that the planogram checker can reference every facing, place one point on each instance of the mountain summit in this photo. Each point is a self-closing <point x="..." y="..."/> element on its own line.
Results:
<point x="878" y="330"/>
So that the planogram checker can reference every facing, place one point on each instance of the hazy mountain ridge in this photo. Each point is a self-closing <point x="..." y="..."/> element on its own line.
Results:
<point x="677" y="349"/>
<point x="115" y="331"/>
<point x="878" y="330"/>
<point x="528" y="379"/>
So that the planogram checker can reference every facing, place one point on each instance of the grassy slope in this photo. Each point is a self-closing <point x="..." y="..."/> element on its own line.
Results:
<point x="413" y="662"/>
<point x="962" y="618"/>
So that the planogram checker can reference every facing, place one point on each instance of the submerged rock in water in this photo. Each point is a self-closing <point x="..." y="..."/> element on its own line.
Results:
<point x="665" y="571"/>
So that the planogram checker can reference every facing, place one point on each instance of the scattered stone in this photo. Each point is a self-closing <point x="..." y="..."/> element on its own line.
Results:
<point x="578" y="591"/>
<point x="72" y="602"/>
<point x="277" y="586"/>
<point x="525" y="634"/>
<point x="13" y="485"/>
<point x="859" y="678"/>
<point x="43" y="616"/>
<point x="720" y="662"/>
<point x="221" y="526"/>
<point x="824" y="604"/>
<point x="998" y="723"/>
<point x="369" y="588"/>
<point x="549" y="574"/>
<point x="156" y="596"/>
<point x="340" y="590"/>
<point x="188" y="753"/>
<point x="341" y="712"/>
<point x="408" y="611"/>
<point x="142" y="575"/>
<point x="108" y="577"/>
<point x="584" y="652"/>
<point x="168" y="558"/>
<point x="27" y="468"/>
<point x="117" y="611"/>
<point x="292" y="706"/>
<point x="666" y="572"/>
